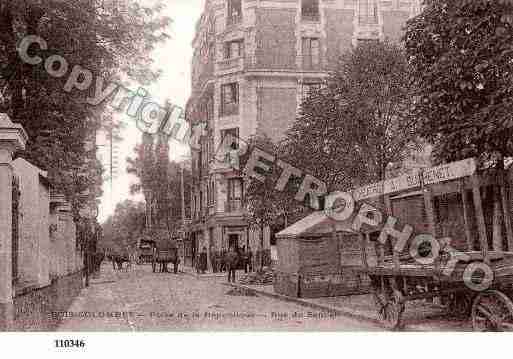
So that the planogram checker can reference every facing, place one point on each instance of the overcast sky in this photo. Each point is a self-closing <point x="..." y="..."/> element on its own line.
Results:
<point x="174" y="58"/>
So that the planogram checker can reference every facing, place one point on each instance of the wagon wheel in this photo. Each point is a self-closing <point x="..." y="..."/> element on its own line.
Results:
<point x="460" y="305"/>
<point x="379" y="295"/>
<point x="492" y="311"/>
<point x="390" y="303"/>
<point x="392" y="312"/>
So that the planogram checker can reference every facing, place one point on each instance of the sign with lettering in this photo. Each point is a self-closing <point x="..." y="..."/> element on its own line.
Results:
<point x="449" y="171"/>
<point x="432" y="175"/>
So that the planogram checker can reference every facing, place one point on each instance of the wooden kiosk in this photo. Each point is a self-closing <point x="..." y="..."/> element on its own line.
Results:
<point x="312" y="263"/>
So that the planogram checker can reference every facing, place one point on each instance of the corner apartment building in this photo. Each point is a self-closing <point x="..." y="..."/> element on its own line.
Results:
<point x="254" y="61"/>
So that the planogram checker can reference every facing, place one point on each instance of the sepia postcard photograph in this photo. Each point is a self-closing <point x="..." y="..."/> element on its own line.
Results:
<point x="251" y="166"/>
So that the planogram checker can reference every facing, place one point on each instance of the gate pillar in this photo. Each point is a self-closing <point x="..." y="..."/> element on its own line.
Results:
<point x="12" y="138"/>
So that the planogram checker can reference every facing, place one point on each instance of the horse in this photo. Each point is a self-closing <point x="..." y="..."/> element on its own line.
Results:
<point x="118" y="260"/>
<point x="98" y="258"/>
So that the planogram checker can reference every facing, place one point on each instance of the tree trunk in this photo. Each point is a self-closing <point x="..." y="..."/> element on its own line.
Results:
<point x="497" y="220"/>
<point x="261" y="246"/>
<point x="497" y="210"/>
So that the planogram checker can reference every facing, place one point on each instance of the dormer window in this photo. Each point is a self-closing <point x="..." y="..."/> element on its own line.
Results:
<point x="310" y="10"/>
<point x="234" y="12"/>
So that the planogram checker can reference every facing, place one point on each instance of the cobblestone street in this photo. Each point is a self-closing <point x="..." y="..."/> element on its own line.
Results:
<point x="167" y="302"/>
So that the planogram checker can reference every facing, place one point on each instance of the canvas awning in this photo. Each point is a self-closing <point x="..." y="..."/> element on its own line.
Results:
<point x="316" y="224"/>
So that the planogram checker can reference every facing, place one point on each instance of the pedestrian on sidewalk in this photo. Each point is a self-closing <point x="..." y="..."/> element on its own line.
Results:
<point x="203" y="260"/>
<point x="231" y="263"/>
<point x="223" y="260"/>
<point x="244" y="257"/>
<point x="215" y="260"/>
<point x="250" y="259"/>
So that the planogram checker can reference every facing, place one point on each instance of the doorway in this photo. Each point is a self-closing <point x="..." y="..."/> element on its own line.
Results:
<point x="233" y="241"/>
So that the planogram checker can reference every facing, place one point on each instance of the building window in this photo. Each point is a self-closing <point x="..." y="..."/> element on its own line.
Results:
<point x="308" y="88"/>
<point x="233" y="49"/>
<point x="310" y="52"/>
<point x="367" y="42"/>
<point x="204" y="153"/>
<point x="230" y="99"/>
<point x="230" y="138"/>
<point x="230" y="147"/>
<point x="209" y="112"/>
<point x="367" y="12"/>
<point x="211" y="197"/>
<point x="234" y="12"/>
<point x="310" y="10"/>
<point x="211" y="52"/>
<point x="234" y="189"/>
<point x="204" y="55"/>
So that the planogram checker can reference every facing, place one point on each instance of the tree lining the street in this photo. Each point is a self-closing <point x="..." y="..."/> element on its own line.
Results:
<point x="124" y="227"/>
<point x="461" y="53"/>
<point x="160" y="181"/>
<point x="352" y="128"/>
<point x="347" y="133"/>
<point x="461" y="56"/>
<point x="112" y="39"/>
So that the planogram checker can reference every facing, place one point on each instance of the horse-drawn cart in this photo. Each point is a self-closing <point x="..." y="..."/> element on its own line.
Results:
<point x="145" y="250"/>
<point x="163" y="254"/>
<point x="456" y="255"/>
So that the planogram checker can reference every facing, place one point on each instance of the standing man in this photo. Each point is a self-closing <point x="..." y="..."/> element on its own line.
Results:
<point x="244" y="258"/>
<point x="231" y="263"/>
<point x="203" y="260"/>
<point x="89" y="239"/>
<point x="223" y="260"/>
<point x="213" y="259"/>
<point x="250" y="259"/>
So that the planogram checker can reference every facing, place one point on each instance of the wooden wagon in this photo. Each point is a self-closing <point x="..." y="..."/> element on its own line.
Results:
<point x="465" y="266"/>
<point x="145" y="250"/>
<point x="163" y="254"/>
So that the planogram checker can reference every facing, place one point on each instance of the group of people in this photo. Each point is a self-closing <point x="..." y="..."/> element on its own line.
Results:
<point x="227" y="261"/>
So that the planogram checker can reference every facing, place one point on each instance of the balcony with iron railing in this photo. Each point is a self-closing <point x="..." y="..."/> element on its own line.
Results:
<point x="279" y="61"/>
<point x="310" y="16"/>
<point x="228" y="66"/>
<point x="225" y="160"/>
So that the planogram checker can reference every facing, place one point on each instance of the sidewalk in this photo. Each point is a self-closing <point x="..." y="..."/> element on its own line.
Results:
<point x="359" y="307"/>
<point x="362" y="307"/>
<point x="192" y="271"/>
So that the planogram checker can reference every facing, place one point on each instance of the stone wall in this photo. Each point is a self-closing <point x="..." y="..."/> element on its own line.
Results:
<point x="34" y="241"/>
<point x="33" y="309"/>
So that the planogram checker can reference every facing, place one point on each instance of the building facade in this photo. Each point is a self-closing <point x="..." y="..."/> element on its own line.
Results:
<point x="254" y="61"/>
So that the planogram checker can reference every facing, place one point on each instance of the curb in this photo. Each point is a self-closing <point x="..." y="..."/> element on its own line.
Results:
<point x="305" y="303"/>
<point x="202" y="276"/>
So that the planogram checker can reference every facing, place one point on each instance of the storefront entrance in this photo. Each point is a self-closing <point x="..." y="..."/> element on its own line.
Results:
<point x="233" y="241"/>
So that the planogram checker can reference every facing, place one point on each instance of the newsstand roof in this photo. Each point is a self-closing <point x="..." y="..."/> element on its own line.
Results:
<point x="316" y="224"/>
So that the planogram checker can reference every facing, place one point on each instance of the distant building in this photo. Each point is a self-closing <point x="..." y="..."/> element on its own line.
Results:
<point x="253" y="63"/>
